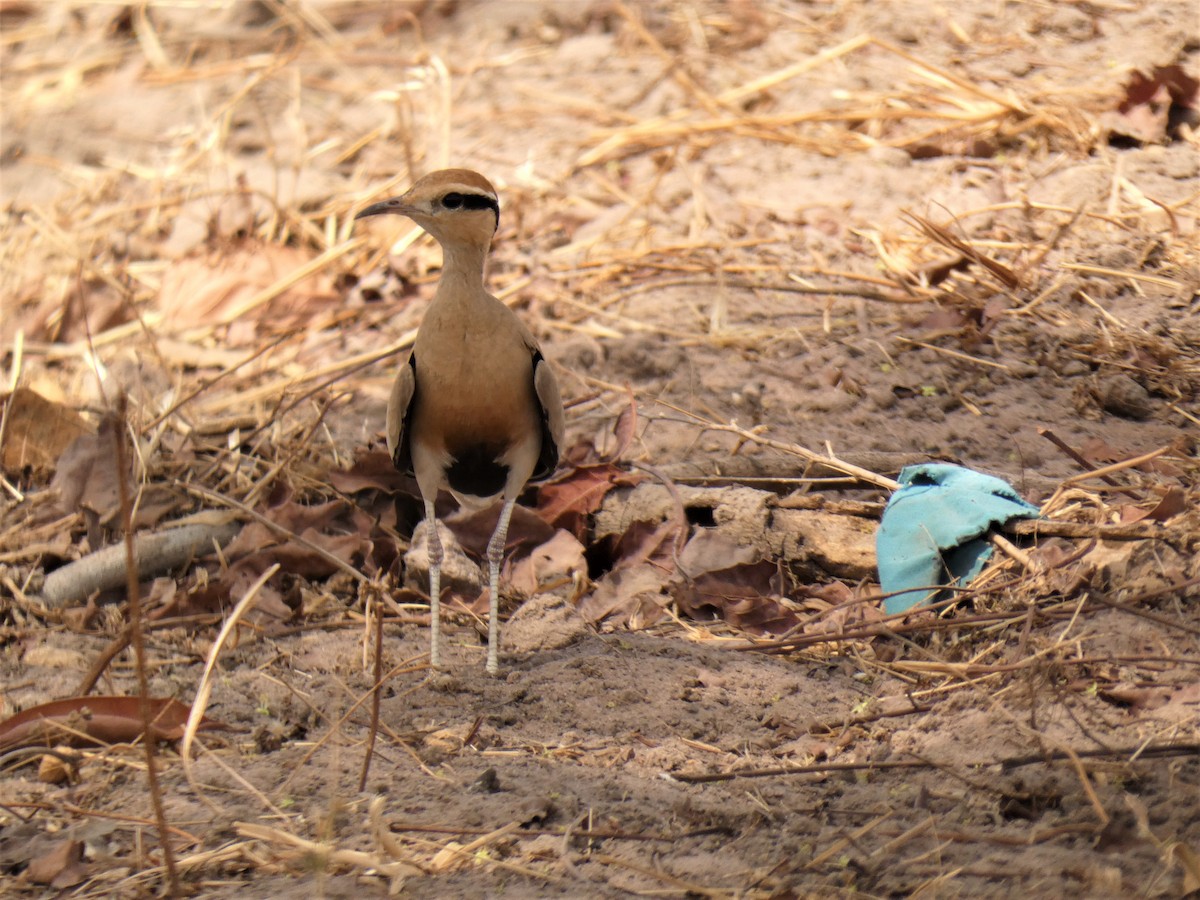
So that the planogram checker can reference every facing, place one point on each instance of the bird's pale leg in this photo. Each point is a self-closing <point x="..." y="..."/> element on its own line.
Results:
<point x="433" y="544"/>
<point x="495" y="554"/>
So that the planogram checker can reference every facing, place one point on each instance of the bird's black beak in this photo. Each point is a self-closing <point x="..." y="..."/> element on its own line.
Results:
<point x="395" y="205"/>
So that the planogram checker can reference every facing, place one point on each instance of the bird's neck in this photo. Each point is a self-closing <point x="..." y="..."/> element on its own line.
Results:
<point x="462" y="271"/>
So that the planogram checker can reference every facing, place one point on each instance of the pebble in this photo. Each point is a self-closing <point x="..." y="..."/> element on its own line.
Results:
<point x="1122" y="396"/>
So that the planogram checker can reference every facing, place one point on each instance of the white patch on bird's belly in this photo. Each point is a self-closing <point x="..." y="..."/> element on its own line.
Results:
<point x="471" y="502"/>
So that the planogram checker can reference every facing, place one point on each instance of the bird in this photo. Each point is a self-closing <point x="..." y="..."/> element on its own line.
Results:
<point x="476" y="409"/>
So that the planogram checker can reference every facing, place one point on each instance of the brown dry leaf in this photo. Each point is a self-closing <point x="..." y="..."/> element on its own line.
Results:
<point x="632" y="597"/>
<point x="36" y="433"/>
<point x="215" y="288"/>
<point x="86" y="474"/>
<point x="625" y="428"/>
<point x="167" y="599"/>
<point x="473" y="528"/>
<point x="1171" y="503"/>
<point x="748" y="596"/>
<point x="560" y="559"/>
<point x="727" y="581"/>
<point x="61" y="868"/>
<point x="568" y="500"/>
<point x="1182" y="707"/>
<point x="105" y="720"/>
<point x="372" y="470"/>
<point x="1149" y="102"/>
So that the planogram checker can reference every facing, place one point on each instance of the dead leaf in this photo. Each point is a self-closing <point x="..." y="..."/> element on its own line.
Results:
<point x="474" y="527"/>
<point x="86" y="475"/>
<point x="372" y="470"/>
<point x="216" y="288"/>
<point x="61" y="868"/>
<point x="556" y="561"/>
<point x="1152" y="106"/>
<point x="632" y="597"/>
<point x="625" y="429"/>
<point x="36" y="433"/>
<point x="100" y="719"/>
<point x="1171" y="503"/>
<point x="567" y="500"/>
<point x="748" y="596"/>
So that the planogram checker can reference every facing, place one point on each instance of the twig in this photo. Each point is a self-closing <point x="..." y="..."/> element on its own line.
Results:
<point x="375" y="695"/>
<point x="152" y="553"/>
<point x="1164" y="750"/>
<point x="133" y="597"/>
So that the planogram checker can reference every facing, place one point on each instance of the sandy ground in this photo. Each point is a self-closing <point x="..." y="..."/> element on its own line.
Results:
<point x="678" y="183"/>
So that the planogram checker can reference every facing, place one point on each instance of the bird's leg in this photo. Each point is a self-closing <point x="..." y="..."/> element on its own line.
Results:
<point x="433" y="545"/>
<point x="495" y="554"/>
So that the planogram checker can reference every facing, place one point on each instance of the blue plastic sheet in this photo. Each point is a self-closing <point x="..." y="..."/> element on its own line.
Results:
<point x="934" y="530"/>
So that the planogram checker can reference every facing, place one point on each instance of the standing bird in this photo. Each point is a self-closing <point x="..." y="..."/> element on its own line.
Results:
<point x="476" y="409"/>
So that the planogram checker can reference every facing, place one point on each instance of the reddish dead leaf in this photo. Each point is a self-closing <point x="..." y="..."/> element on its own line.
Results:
<point x="1172" y="503"/>
<point x="747" y="596"/>
<point x="654" y="542"/>
<point x="642" y="562"/>
<point x="36" y="432"/>
<point x="943" y="319"/>
<point x="727" y="581"/>
<point x="1152" y="106"/>
<point x="1138" y="699"/>
<point x="473" y="528"/>
<point x="625" y="429"/>
<point x="372" y="470"/>
<point x="837" y="609"/>
<point x="61" y="868"/>
<point x="103" y="720"/>
<point x="568" y="500"/>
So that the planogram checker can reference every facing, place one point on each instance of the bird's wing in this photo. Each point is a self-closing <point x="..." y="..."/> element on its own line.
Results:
<point x="399" y="409"/>
<point x="545" y="385"/>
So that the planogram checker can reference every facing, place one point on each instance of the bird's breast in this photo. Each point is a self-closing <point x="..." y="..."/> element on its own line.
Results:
<point x="474" y="404"/>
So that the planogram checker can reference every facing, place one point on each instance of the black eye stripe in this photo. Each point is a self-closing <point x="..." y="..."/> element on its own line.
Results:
<point x="455" y="200"/>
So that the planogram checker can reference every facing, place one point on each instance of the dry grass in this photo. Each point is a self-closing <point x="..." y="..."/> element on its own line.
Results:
<point x="290" y="129"/>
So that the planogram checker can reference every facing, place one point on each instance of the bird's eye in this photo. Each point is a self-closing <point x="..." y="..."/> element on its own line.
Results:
<point x="452" y="200"/>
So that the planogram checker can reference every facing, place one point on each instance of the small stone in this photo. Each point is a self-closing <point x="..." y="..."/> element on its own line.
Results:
<point x="894" y="157"/>
<point x="1122" y="396"/>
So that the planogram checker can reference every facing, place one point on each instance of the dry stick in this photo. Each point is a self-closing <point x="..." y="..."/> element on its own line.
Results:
<point x="204" y="690"/>
<point x="276" y="529"/>
<point x="796" y="450"/>
<point x="375" y="692"/>
<point x="1077" y="457"/>
<point x="1014" y="762"/>
<point x="1105" y="471"/>
<point x="1128" y="531"/>
<point x="139" y="647"/>
<point x="121" y="641"/>
<point x="83" y="812"/>
<point x="109" y="567"/>
<point x="309" y="852"/>
<point x="1129" y="606"/>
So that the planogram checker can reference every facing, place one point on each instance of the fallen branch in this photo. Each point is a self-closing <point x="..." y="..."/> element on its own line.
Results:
<point x="105" y="569"/>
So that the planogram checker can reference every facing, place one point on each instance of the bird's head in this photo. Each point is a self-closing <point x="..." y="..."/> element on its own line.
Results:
<point x="456" y="206"/>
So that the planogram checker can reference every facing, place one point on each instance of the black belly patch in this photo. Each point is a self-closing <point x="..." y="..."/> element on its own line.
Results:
<point x="476" y="472"/>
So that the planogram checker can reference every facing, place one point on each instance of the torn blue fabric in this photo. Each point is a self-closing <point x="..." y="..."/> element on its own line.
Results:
<point x="934" y="530"/>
